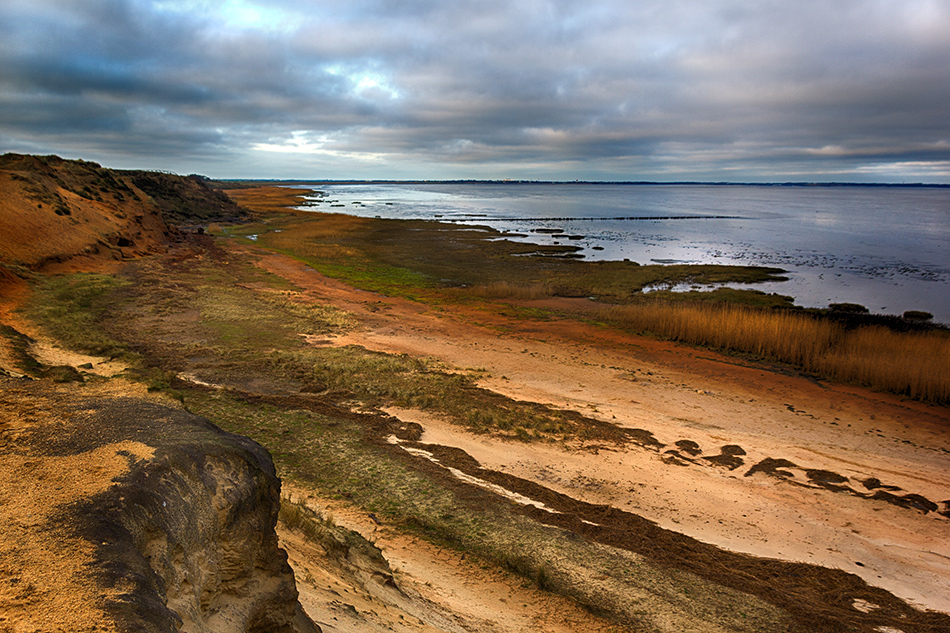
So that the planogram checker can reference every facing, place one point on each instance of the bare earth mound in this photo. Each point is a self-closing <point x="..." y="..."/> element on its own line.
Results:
<point x="123" y="514"/>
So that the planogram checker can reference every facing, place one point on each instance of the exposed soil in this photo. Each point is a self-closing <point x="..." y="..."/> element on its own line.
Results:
<point x="432" y="588"/>
<point x="752" y="459"/>
<point x="46" y="577"/>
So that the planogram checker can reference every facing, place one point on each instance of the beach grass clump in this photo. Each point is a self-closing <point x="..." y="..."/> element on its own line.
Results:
<point x="916" y="364"/>
<point x="70" y="307"/>
<point x="779" y="335"/>
<point x="295" y="515"/>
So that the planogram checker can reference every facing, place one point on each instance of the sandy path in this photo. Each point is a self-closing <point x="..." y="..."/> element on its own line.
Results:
<point x="828" y="436"/>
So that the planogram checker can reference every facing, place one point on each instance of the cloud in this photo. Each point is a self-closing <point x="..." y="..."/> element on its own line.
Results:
<point x="523" y="88"/>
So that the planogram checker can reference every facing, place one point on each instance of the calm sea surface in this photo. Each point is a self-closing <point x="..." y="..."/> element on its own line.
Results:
<point x="887" y="248"/>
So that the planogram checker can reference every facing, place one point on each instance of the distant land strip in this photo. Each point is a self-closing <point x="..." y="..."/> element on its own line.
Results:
<point x="652" y="183"/>
<point x="468" y="217"/>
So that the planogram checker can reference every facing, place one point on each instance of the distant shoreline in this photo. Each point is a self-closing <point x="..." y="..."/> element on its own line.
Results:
<point x="648" y="183"/>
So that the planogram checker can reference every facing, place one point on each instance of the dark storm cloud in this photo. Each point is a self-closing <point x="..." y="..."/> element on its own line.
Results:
<point x="528" y="88"/>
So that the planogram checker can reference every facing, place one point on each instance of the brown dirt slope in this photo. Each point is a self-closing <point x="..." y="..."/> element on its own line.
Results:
<point x="75" y="214"/>
<point x="57" y="214"/>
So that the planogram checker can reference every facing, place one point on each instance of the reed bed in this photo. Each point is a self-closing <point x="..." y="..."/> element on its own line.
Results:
<point x="915" y="364"/>
<point x="507" y="290"/>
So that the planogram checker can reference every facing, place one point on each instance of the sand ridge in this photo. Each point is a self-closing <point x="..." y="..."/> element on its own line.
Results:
<point x="439" y="589"/>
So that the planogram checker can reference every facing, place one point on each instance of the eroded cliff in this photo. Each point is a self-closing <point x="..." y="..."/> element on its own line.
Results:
<point x="124" y="514"/>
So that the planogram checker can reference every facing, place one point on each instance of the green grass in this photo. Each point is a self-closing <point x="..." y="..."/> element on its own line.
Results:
<point x="419" y="258"/>
<point x="70" y="308"/>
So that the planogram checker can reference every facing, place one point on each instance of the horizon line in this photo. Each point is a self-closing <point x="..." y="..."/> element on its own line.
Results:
<point x="512" y="181"/>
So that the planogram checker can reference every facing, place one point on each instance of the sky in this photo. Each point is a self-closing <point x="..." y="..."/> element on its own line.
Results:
<point x="666" y="90"/>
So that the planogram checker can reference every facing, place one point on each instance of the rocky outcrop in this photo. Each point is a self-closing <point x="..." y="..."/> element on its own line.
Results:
<point x="183" y="539"/>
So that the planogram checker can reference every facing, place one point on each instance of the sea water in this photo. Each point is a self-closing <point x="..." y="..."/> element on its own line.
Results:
<point x="887" y="248"/>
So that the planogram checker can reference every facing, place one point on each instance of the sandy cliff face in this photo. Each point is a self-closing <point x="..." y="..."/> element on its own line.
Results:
<point x="54" y="212"/>
<point x="127" y="515"/>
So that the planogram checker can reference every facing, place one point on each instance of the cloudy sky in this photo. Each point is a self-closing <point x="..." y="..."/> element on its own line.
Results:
<point x="741" y="90"/>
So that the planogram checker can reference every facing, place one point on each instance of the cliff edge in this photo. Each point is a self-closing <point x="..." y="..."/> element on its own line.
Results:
<point x="124" y="514"/>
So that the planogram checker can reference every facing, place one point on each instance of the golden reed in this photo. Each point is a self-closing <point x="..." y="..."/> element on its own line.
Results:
<point x="915" y="364"/>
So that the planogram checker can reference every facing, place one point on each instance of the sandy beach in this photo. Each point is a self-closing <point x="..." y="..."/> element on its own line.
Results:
<point x="749" y="458"/>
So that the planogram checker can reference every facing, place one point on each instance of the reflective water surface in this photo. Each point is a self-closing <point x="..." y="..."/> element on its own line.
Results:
<point x="887" y="248"/>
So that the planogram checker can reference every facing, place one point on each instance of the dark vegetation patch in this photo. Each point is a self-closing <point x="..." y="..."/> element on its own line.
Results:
<point x="728" y="457"/>
<point x="187" y="200"/>
<point x="818" y="598"/>
<point x="774" y="468"/>
<point x="689" y="446"/>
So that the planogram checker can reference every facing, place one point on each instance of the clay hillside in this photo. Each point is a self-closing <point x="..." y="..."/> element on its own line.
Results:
<point x="58" y="215"/>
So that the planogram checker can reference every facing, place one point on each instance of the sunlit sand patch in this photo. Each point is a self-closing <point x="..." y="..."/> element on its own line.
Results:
<point x="48" y="569"/>
<point x="197" y="381"/>
<point x="45" y="353"/>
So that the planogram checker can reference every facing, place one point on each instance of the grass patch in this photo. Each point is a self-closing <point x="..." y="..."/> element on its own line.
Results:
<point x="735" y="296"/>
<point x="377" y="380"/>
<point x="70" y="308"/>
<point x="506" y="290"/>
